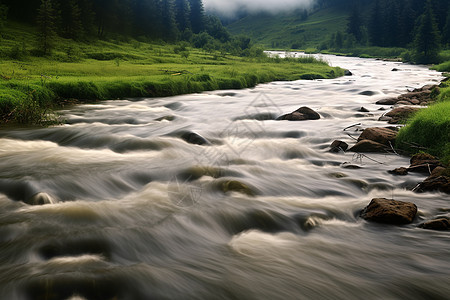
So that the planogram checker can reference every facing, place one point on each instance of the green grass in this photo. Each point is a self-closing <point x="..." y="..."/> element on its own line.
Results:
<point x="429" y="131"/>
<point x="288" y="30"/>
<point x="114" y="69"/>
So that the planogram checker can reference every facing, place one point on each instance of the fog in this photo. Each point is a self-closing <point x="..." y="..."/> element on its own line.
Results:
<point x="232" y="7"/>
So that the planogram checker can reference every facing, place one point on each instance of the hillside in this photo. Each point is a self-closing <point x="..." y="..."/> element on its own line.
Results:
<point x="292" y="30"/>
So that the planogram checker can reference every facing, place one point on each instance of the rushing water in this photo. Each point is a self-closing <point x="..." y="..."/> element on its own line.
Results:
<point x="138" y="213"/>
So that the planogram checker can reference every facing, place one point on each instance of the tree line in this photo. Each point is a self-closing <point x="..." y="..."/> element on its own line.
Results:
<point x="82" y="20"/>
<point x="423" y="26"/>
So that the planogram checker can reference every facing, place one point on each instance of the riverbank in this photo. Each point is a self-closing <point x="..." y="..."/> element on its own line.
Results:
<point x="429" y="129"/>
<point x="98" y="70"/>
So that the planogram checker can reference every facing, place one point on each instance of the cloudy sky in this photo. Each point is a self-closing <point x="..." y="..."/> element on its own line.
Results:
<point x="230" y="7"/>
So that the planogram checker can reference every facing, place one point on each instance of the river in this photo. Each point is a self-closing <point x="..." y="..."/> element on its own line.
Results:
<point x="263" y="211"/>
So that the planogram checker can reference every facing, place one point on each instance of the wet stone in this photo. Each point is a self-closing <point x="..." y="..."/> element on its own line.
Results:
<point x="382" y="210"/>
<point x="338" y="146"/>
<point x="399" y="171"/>
<point x="436" y="224"/>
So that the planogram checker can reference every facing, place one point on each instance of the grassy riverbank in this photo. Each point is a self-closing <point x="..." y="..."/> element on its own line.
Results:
<point x="429" y="129"/>
<point x="119" y="69"/>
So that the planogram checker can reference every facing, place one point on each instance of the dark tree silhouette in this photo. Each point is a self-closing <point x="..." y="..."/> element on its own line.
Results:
<point x="375" y="27"/>
<point x="3" y="16"/>
<point x="46" y="23"/>
<point x="197" y="16"/>
<point x="355" y="23"/>
<point x="427" y="38"/>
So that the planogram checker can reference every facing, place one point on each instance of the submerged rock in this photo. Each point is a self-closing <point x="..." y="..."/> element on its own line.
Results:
<point x="194" y="138"/>
<point x="301" y="114"/>
<point x="40" y="199"/>
<point x="399" y="171"/>
<point x="387" y="101"/>
<point x="382" y="210"/>
<point x="436" y="224"/>
<point x="235" y="186"/>
<point x="338" y="146"/>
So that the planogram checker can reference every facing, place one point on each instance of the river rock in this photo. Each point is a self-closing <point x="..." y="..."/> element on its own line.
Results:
<point x="194" y="138"/>
<point x="234" y="186"/>
<point x="431" y="184"/>
<point x="348" y="73"/>
<point x="388" y="211"/>
<point x="380" y="135"/>
<point x="387" y="101"/>
<point x="301" y="114"/>
<point x="368" y="93"/>
<point x="424" y="163"/>
<point x="399" y="171"/>
<point x="40" y="199"/>
<point x="401" y="113"/>
<point x="369" y="146"/>
<point x="363" y="109"/>
<point x="420" y="95"/>
<point x="338" y="146"/>
<point x="436" y="224"/>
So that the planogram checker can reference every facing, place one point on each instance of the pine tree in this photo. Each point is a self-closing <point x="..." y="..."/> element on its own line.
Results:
<point x="355" y="23"/>
<point x="169" y="27"/>
<point x="182" y="12"/>
<point x="446" y="31"/>
<point x="427" y="38"/>
<point x="73" y="27"/>
<point x="197" y="16"/>
<point x="375" y="25"/>
<point x="87" y="16"/>
<point x="3" y="16"/>
<point x="406" y="24"/>
<point x="47" y="31"/>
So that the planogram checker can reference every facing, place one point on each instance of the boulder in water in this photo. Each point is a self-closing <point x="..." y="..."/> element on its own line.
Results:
<point x="348" y="73"/>
<point x="382" y="210"/>
<point x="436" y="224"/>
<point x="425" y="163"/>
<point x="387" y="101"/>
<point x="369" y="146"/>
<point x="301" y="114"/>
<point x="399" y="171"/>
<point x="433" y="183"/>
<point x="338" y="146"/>
<point x="380" y="135"/>
<point x="40" y="199"/>
<point x="194" y="138"/>
<point x="235" y="186"/>
<point x="402" y="113"/>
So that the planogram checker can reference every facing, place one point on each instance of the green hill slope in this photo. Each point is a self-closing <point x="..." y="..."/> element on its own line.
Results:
<point x="292" y="30"/>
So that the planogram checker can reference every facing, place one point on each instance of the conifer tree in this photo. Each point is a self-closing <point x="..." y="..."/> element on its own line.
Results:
<point x="182" y="12"/>
<point x="375" y="25"/>
<point x="427" y="38"/>
<point x="355" y="23"/>
<point x="3" y="16"/>
<point x="446" y="31"/>
<point x="46" y="23"/>
<point x="73" y="27"/>
<point x="197" y="16"/>
<point x="169" y="27"/>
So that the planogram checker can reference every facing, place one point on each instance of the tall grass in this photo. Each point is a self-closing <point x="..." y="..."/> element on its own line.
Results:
<point x="429" y="131"/>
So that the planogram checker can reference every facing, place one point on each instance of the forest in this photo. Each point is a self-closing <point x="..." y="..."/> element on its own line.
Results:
<point x="149" y="20"/>
<point x="423" y="26"/>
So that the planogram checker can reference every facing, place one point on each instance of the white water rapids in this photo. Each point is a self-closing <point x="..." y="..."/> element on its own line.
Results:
<point x="139" y="213"/>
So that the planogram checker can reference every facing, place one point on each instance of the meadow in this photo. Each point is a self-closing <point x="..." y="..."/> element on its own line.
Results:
<point x="117" y="68"/>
